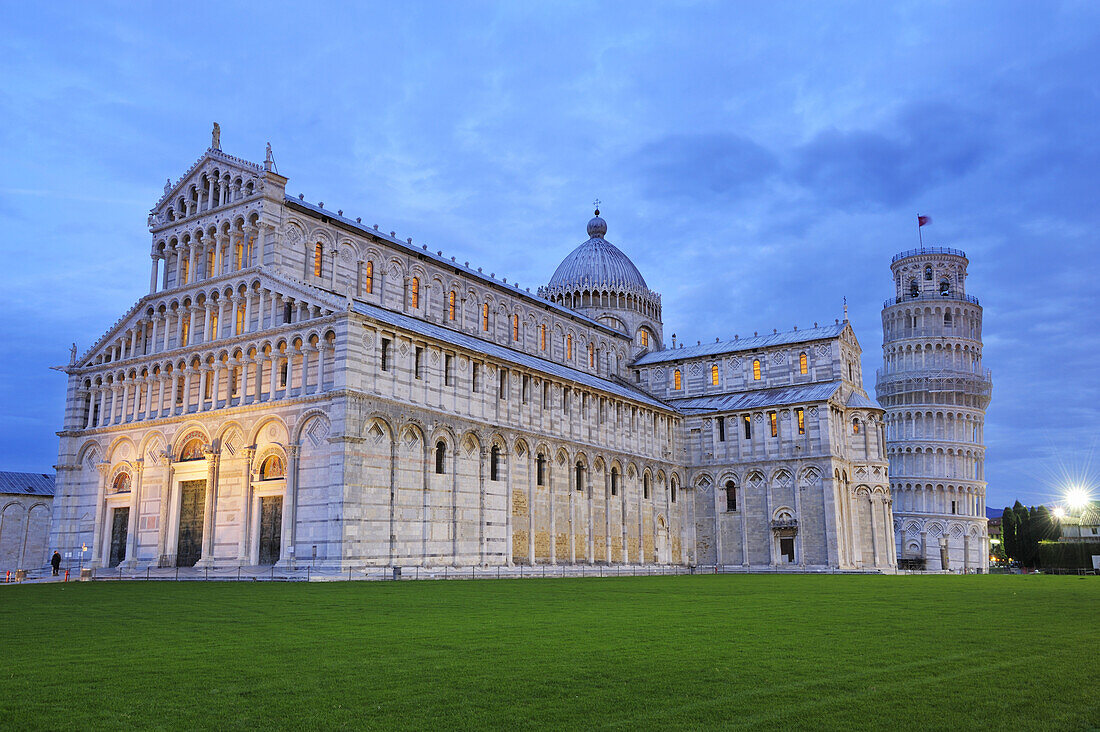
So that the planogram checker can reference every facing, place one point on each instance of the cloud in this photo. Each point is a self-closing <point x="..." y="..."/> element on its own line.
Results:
<point x="709" y="165"/>
<point x="867" y="169"/>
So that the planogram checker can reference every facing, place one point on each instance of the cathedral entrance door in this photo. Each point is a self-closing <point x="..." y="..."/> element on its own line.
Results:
<point x="192" y="512"/>
<point x="119" y="522"/>
<point x="786" y="548"/>
<point x="271" y="526"/>
<point x="662" y="541"/>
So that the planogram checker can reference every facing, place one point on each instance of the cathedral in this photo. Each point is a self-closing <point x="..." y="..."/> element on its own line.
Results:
<point x="297" y="386"/>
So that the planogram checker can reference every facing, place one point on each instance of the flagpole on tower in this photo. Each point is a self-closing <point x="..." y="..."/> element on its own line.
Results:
<point x="920" y="236"/>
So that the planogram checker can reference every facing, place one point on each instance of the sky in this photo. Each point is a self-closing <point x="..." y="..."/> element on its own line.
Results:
<point x="758" y="162"/>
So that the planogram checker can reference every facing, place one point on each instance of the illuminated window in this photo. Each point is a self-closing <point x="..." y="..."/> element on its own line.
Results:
<point x="318" y="252"/>
<point x="803" y="365"/>
<point x="542" y="336"/>
<point x="515" y="327"/>
<point x="272" y="468"/>
<point x="801" y="414"/>
<point x="238" y="255"/>
<point x="569" y="347"/>
<point x="210" y="263"/>
<point x="248" y="250"/>
<point x="213" y="326"/>
<point x="591" y="356"/>
<point x="451" y="305"/>
<point x="855" y="426"/>
<point x="415" y="298"/>
<point x="774" y="419"/>
<point x="756" y="370"/>
<point x="183" y="271"/>
<point x="644" y="336"/>
<point x="368" y="275"/>
<point x="185" y="333"/>
<point x="714" y="375"/>
<point x="485" y="317"/>
<point x="240" y="319"/>
<point x="676" y="379"/>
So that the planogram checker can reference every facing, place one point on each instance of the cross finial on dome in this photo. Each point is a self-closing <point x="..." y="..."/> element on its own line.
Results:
<point x="596" y="203"/>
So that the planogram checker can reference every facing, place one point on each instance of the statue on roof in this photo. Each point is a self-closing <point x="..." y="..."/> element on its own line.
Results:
<point x="216" y="137"/>
<point x="167" y="185"/>
<point x="72" y="355"/>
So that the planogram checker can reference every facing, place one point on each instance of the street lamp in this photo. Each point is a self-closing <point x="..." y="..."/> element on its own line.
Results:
<point x="1059" y="512"/>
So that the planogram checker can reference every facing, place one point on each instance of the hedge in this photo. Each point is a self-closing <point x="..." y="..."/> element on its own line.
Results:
<point x="1066" y="555"/>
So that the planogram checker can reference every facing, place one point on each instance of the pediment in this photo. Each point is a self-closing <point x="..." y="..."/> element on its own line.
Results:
<point x="193" y="186"/>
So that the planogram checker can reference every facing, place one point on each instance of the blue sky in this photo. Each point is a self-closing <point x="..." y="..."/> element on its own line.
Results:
<point x="757" y="162"/>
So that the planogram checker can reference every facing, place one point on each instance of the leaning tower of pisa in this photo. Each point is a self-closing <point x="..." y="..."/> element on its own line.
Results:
<point x="935" y="390"/>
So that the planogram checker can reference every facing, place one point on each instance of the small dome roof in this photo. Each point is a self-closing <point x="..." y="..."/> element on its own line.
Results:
<point x="596" y="263"/>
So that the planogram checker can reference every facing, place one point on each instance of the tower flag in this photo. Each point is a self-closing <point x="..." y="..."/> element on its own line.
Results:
<point x="921" y="221"/>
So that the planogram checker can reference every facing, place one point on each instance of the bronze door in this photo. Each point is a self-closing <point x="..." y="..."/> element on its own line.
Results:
<point x="192" y="512"/>
<point x="118" y="535"/>
<point x="271" y="526"/>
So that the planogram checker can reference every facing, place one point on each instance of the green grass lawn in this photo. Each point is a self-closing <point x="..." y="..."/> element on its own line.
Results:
<point x="993" y="652"/>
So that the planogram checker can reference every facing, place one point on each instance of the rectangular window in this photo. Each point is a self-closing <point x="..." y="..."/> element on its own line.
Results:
<point x="952" y="506"/>
<point x="451" y="305"/>
<point x="448" y="362"/>
<point x="240" y="319"/>
<point x="565" y="401"/>
<point x="234" y="375"/>
<point x="525" y="390"/>
<point x="284" y="371"/>
<point x="545" y="395"/>
<point x="185" y="332"/>
<point x="179" y="390"/>
<point x="475" y="378"/>
<point x="774" y="419"/>
<point x="385" y="354"/>
<point x="747" y="421"/>
<point x="542" y="337"/>
<point x="288" y="310"/>
<point x="721" y="429"/>
<point x="503" y="383"/>
<point x="801" y="415"/>
<point x="485" y="317"/>
<point x="368" y="276"/>
<point x="417" y="358"/>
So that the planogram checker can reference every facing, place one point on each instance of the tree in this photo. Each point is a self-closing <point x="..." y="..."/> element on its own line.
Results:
<point x="1008" y="532"/>
<point x="1023" y="534"/>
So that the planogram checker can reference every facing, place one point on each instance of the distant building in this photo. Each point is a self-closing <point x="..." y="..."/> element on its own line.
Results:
<point x="26" y="500"/>
<point x="1083" y="526"/>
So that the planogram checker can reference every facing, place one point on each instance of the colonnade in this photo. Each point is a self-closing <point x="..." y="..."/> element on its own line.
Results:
<point x="171" y="390"/>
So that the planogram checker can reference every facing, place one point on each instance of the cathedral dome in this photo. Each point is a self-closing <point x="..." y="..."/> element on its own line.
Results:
<point x="597" y="264"/>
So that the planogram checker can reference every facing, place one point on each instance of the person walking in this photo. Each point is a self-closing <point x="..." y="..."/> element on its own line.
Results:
<point x="55" y="562"/>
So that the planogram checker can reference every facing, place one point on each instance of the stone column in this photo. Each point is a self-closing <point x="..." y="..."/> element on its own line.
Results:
<point x="532" y="477"/>
<point x="135" y="507"/>
<point x="481" y="507"/>
<point x="244" y="550"/>
<point x="188" y="371"/>
<point x="217" y="388"/>
<point x="99" y="553"/>
<point x="286" y="556"/>
<point x="153" y="273"/>
<point x="209" y="522"/>
<point x="149" y="382"/>
<point x="590" y="554"/>
<point x="190" y="268"/>
<point x="165" y="504"/>
<point x="260" y="307"/>
<point x="152" y="342"/>
<point x="607" y="514"/>
<point x="93" y="395"/>
<point x="304" y="350"/>
<point x="553" y="512"/>
<point x="274" y="376"/>
<point x="320" y="367"/>
<point x="572" y="488"/>
<point x="874" y="529"/>
<point x="966" y="553"/>
<point x="247" y="312"/>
